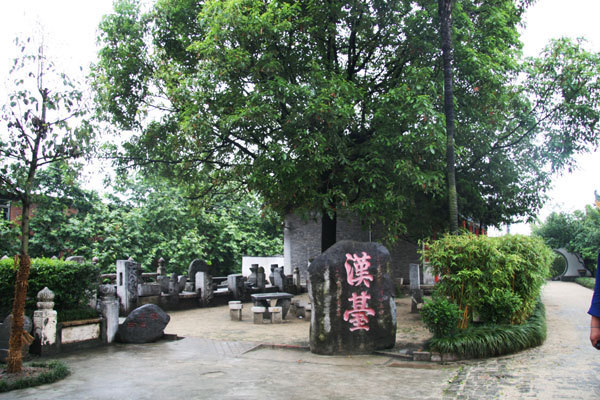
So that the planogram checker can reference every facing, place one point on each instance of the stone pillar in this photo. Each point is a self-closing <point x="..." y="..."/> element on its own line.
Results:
<point x="108" y="305"/>
<point x="235" y="284"/>
<point x="129" y="274"/>
<point x="204" y="286"/>
<point x="296" y="278"/>
<point x="415" y="288"/>
<point x="261" y="278"/>
<point x="44" y="323"/>
<point x="352" y="298"/>
<point x="279" y="279"/>
<point x="272" y="274"/>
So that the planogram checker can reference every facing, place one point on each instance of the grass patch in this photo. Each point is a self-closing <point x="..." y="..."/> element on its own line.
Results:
<point x="495" y="340"/>
<point x="587" y="282"/>
<point x="34" y="374"/>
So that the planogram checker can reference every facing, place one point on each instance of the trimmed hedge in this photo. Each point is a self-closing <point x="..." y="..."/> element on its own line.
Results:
<point x="71" y="283"/>
<point x="495" y="340"/>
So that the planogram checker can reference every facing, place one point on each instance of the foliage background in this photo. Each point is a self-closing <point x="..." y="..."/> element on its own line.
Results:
<point x="578" y="232"/>
<point x="149" y="222"/>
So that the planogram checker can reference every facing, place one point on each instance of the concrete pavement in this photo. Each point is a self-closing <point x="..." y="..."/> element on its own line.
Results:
<point x="566" y="366"/>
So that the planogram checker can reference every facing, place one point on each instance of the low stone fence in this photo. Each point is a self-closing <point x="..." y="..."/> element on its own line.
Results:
<point x="52" y="337"/>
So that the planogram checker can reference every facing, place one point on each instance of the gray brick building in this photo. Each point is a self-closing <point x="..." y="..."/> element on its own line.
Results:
<point x="302" y="243"/>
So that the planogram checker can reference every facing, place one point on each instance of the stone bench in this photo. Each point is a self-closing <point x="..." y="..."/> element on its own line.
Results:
<point x="258" y="313"/>
<point x="276" y="314"/>
<point x="235" y="310"/>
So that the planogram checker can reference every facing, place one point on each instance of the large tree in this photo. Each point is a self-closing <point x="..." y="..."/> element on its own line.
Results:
<point x="44" y="126"/>
<point x="317" y="105"/>
<point x="338" y="105"/>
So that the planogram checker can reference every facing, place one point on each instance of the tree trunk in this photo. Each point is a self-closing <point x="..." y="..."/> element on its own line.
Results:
<point x="445" y="12"/>
<point x="328" y="230"/>
<point x="15" y="360"/>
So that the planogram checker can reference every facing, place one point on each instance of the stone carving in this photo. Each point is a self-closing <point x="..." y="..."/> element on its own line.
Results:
<point x="197" y="265"/>
<point x="251" y="282"/>
<point x="352" y="296"/>
<point x="145" y="324"/>
<point x="77" y="259"/>
<point x="161" y="270"/>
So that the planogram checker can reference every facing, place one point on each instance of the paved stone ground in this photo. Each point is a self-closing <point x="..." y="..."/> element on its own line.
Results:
<point x="565" y="367"/>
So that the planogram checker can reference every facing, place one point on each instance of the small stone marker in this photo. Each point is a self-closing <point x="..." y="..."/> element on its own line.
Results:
<point x="352" y="296"/>
<point x="144" y="325"/>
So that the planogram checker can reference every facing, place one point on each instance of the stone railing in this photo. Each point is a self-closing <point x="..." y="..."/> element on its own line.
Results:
<point x="52" y="337"/>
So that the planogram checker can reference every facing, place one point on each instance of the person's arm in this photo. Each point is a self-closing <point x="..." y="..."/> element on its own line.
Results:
<point x="594" y="310"/>
<point x="595" y="330"/>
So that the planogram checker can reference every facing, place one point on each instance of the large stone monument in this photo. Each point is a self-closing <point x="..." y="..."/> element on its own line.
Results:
<point x="352" y="295"/>
<point x="145" y="324"/>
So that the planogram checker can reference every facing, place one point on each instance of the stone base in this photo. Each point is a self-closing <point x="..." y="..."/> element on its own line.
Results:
<point x="258" y="313"/>
<point x="276" y="315"/>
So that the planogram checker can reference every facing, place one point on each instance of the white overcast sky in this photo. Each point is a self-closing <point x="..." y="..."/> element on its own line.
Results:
<point x="70" y="30"/>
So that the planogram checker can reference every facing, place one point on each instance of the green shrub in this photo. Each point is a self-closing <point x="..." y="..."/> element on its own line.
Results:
<point x="495" y="340"/>
<point x="498" y="307"/>
<point x="71" y="283"/>
<point x="500" y="277"/>
<point x="587" y="282"/>
<point x="441" y="316"/>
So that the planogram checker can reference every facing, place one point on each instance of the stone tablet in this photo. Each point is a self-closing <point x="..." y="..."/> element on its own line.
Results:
<point x="352" y="295"/>
<point x="144" y="325"/>
<point x="197" y="265"/>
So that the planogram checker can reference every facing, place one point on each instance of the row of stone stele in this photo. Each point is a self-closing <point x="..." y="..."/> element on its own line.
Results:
<point x="262" y="314"/>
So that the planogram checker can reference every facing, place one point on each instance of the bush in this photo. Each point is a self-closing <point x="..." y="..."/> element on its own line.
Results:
<point x="440" y="316"/>
<point x="498" y="307"/>
<point x="495" y="340"/>
<point x="587" y="282"/>
<point x="500" y="277"/>
<point x="71" y="283"/>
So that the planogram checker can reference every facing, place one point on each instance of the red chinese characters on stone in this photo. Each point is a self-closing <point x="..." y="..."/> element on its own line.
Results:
<point x="358" y="315"/>
<point x="357" y="273"/>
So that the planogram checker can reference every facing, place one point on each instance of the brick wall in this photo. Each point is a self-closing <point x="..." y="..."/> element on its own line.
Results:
<point x="302" y="243"/>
